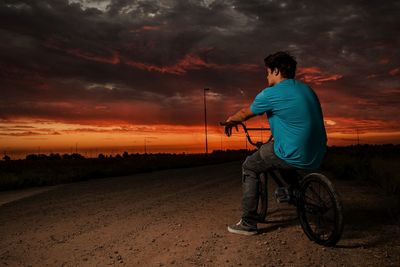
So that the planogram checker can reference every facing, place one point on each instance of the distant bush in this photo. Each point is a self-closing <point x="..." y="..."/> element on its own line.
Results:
<point x="55" y="156"/>
<point x="73" y="156"/>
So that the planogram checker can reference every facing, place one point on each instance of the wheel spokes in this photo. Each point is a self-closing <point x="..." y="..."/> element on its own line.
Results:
<point x="318" y="207"/>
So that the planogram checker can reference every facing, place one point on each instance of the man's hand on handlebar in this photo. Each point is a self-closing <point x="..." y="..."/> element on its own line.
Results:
<point x="228" y="126"/>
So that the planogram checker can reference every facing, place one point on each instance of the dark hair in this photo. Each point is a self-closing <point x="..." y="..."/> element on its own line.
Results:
<point x="283" y="62"/>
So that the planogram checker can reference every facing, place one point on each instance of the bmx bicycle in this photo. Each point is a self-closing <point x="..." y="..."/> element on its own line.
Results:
<point x="319" y="209"/>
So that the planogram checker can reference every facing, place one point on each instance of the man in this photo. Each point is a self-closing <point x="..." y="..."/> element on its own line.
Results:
<point x="296" y="122"/>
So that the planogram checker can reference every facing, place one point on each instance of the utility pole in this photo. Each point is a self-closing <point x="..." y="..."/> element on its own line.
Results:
<point x="205" y="117"/>
<point x="358" y="137"/>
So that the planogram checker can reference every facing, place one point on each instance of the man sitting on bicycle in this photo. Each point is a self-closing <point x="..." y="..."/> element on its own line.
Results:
<point x="296" y="122"/>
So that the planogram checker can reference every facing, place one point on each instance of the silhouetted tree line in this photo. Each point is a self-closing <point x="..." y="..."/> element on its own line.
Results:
<point x="54" y="156"/>
<point x="124" y="155"/>
<point x="230" y="151"/>
<point x="387" y="150"/>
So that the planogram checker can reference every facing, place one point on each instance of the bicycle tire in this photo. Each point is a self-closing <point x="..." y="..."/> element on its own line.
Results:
<point x="308" y="211"/>
<point x="262" y="206"/>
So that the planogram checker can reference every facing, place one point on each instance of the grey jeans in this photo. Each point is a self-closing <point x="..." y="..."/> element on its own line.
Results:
<point x="262" y="160"/>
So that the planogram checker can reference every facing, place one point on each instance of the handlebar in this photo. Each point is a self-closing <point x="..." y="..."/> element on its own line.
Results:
<point x="246" y="130"/>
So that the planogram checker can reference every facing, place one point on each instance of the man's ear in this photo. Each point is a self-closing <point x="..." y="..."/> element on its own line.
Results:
<point x="276" y="72"/>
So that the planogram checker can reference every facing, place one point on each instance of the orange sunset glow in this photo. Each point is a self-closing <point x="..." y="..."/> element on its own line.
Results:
<point x="108" y="77"/>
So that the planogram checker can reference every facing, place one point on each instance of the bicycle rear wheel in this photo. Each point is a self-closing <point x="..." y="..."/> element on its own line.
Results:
<point x="262" y="206"/>
<point x="319" y="210"/>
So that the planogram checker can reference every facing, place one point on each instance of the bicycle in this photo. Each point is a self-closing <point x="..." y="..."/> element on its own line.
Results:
<point x="318" y="206"/>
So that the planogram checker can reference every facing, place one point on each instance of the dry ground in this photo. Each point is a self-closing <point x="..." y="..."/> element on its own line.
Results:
<point x="179" y="218"/>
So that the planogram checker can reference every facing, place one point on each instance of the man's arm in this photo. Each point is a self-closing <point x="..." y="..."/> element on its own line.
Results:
<point x="242" y="115"/>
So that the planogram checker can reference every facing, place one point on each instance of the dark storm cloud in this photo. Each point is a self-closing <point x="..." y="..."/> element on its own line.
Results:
<point x="59" y="55"/>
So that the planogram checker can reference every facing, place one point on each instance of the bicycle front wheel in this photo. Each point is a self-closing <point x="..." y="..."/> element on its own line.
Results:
<point x="319" y="210"/>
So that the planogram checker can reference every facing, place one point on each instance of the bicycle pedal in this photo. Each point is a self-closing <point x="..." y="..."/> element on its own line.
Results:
<point x="282" y="195"/>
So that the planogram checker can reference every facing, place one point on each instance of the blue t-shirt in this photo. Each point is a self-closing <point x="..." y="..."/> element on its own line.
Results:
<point x="296" y="121"/>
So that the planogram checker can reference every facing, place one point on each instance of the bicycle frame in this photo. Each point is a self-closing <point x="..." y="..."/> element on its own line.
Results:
<point x="286" y="175"/>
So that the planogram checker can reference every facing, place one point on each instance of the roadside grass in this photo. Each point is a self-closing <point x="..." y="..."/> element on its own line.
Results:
<point x="387" y="173"/>
<point x="16" y="174"/>
<point x="377" y="164"/>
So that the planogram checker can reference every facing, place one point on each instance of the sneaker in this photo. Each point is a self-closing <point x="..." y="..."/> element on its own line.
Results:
<point x="242" y="229"/>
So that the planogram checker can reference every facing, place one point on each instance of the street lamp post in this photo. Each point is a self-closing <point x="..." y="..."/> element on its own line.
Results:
<point x="205" y="117"/>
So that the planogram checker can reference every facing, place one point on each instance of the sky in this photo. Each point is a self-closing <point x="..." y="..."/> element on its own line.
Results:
<point x="99" y="74"/>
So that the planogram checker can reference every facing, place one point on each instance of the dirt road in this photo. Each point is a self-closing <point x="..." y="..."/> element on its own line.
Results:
<point x="179" y="218"/>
